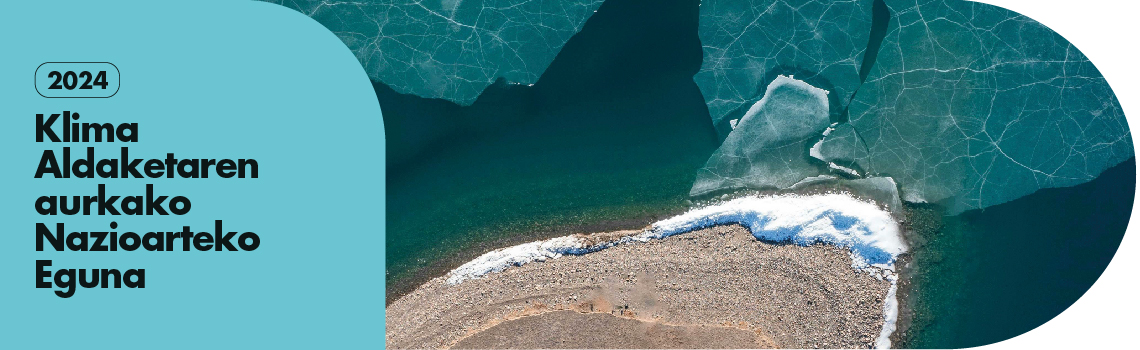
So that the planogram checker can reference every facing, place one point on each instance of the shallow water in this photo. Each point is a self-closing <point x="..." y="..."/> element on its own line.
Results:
<point x="613" y="131"/>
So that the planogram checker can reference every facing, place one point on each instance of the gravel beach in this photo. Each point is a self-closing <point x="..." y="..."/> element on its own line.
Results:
<point x="716" y="287"/>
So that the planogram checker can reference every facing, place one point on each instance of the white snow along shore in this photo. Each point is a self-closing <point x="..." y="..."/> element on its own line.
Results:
<point x="869" y="231"/>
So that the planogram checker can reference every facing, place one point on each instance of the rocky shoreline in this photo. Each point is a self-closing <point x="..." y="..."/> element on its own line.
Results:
<point x="712" y="283"/>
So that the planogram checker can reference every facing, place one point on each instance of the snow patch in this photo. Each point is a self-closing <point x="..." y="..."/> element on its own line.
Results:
<point x="500" y="259"/>
<point x="839" y="219"/>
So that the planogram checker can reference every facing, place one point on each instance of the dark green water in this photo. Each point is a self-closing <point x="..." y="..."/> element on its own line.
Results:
<point x="609" y="137"/>
<point x="989" y="275"/>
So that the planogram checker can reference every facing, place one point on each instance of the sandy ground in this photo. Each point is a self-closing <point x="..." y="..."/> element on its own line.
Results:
<point x="683" y="291"/>
<point x="577" y="330"/>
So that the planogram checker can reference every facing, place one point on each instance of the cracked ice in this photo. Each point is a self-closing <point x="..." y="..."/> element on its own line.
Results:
<point x="451" y="49"/>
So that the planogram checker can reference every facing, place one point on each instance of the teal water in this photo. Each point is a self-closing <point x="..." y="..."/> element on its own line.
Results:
<point x="988" y="275"/>
<point x="609" y="137"/>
